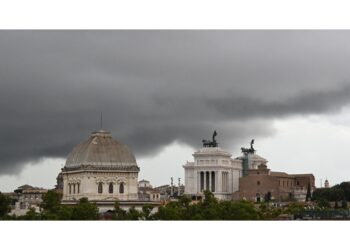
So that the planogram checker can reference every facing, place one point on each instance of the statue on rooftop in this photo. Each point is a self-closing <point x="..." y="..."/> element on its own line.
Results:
<point x="211" y="144"/>
<point x="250" y="150"/>
<point x="251" y="145"/>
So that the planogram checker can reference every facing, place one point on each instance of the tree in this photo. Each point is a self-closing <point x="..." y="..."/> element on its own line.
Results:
<point x="85" y="210"/>
<point x="308" y="193"/>
<point x="345" y="186"/>
<point x="184" y="201"/>
<point x="133" y="214"/>
<point x="325" y="195"/>
<point x="209" y="207"/>
<point x="5" y="205"/>
<point x="180" y="210"/>
<point x="51" y="201"/>
<point x="344" y="204"/>
<point x="171" y="211"/>
<point x="239" y="210"/>
<point x="147" y="212"/>
<point x="52" y="209"/>
<point x="119" y="213"/>
<point x="30" y="215"/>
<point x="65" y="213"/>
<point x="51" y="205"/>
<point x="323" y="203"/>
<point x="209" y="199"/>
<point x="296" y="209"/>
<point x="336" y="206"/>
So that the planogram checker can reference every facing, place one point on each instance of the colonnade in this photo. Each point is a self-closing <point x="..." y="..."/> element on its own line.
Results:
<point x="207" y="180"/>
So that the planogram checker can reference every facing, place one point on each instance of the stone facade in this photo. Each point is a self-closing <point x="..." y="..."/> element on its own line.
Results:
<point x="213" y="169"/>
<point x="261" y="183"/>
<point x="104" y="171"/>
<point x="144" y="184"/>
<point x="245" y="177"/>
<point x="100" y="185"/>
<point x="147" y="192"/>
<point x="26" y="197"/>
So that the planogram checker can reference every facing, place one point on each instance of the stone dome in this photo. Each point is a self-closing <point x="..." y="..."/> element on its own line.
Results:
<point x="101" y="151"/>
<point x="258" y="158"/>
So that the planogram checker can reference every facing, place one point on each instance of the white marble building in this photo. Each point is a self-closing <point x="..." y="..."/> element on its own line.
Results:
<point x="213" y="169"/>
<point x="102" y="170"/>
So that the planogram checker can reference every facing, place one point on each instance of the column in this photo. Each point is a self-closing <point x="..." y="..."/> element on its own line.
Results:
<point x="209" y="173"/>
<point x="224" y="182"/>
<point x="198" y="182"/>
<point x="65" y="187"/>
<point x="213" y="183"/>
<point x="207" y="180"/>
<point x="202" y="181"/>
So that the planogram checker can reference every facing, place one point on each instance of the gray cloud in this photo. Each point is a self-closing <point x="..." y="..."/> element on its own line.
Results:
<point x="155" y="87"/>
<point x="305" y="103"/>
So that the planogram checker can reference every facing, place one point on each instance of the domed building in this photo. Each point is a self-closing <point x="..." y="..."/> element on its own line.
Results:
<point x="102" y="170"/>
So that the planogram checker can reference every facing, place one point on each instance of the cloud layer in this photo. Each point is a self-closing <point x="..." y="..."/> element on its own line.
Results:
<point x="156" y="87"/>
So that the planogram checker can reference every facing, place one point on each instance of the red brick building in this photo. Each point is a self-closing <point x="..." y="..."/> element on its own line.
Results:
<point x="261" y="183"/>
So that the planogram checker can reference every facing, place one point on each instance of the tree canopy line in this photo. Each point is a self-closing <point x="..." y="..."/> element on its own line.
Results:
<point x="339" y="194"/>
<point x="183" y="209"/>
<point x="208" y="209"/>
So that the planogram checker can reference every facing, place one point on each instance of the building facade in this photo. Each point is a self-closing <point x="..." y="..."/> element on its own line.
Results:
<point x="147" y="192"/>
<point x="261" y="184"/>
<point x="244" y="177"/>
<point x="213" y="169"/>
<point x="26" y="197"/>
<point x="102" y="170"/>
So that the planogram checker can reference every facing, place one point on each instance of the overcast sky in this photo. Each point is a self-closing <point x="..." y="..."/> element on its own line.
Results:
<point x="162" y="92"/>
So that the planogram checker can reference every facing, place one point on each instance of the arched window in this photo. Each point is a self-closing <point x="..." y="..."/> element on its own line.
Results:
<point x="78" y="187"/>
<point x="121" y="188"/>
<point x="257" y="197"/>
<point x="110" y="188"/>
<point x="73" y="188"/>
<point x="100" y="189"/>
<point x="70" y="188"/>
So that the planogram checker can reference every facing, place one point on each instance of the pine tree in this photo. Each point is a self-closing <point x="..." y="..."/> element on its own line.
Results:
<point x="308" y="193"/>
<point x="5" y="205"/>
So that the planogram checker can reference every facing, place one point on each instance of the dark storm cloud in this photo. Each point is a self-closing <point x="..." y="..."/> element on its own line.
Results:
<point x="305" y="103"/>
<point x="155" y="87"/>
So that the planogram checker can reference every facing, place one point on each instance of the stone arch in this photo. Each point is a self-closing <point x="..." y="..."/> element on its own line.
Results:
<point x="110" y="188"/>
<point x="257" y="197"/>
<point x="121" y="188"/>
<point x="100" y="188"/>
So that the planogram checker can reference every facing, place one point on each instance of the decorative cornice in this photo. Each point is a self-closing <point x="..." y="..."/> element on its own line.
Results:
<point x="131" y="168"/>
